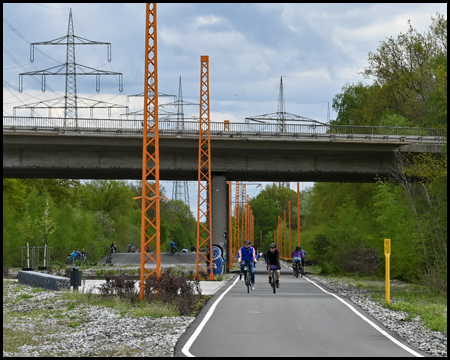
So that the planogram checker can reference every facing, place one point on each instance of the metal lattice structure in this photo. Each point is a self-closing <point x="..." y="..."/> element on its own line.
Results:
<point x="150" y="221"/>
<point x="180" y="190"/>
<point x="281" y="117"/>
<point x="204" y="213"/>
<point x="281" y="112"/>
<point x="237" y="235"/>
<point x="230" y="224"/>
<point x="70" y="69"/>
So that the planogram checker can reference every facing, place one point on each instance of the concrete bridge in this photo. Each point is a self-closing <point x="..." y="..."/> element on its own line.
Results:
<point x="112" y="149"/>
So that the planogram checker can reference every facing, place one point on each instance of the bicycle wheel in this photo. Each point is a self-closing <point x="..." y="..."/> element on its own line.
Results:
<point x="274" y="279"/>
<point x="247" y="278"/>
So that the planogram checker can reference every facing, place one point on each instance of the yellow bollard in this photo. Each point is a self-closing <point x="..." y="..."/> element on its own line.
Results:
<point x="387" y="253"/>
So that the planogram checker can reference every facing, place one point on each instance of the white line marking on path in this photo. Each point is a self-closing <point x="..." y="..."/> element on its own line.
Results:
<point x="370" y="322"/>
<point x="191" y="340"/>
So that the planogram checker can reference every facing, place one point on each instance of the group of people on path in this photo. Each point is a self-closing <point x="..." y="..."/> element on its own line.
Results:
<point x="248" y="256"/>
<point x="76" y="255"/>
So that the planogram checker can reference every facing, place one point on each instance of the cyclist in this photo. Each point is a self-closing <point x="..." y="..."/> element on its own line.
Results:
<point x="172" y="247"/>
<point x="273" y="259"/>
<point x="304" y="253"/>
<point x="113" y="247"/>
<point x="83" y="255"/>
<point x="247" y="256"/>
<point x="296" y="256"/>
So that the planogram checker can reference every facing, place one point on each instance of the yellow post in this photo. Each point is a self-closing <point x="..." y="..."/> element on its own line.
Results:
<point x="387" y="253"/>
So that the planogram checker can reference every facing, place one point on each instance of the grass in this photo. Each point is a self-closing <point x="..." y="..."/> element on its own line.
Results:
<point x="416" y="300"/>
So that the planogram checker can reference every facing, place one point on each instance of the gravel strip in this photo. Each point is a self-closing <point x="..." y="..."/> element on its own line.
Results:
<point x="413" y="332"/>
<point x="84" y="330"/>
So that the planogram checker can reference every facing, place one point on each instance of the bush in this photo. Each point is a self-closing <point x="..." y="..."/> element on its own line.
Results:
<point x="174" y="289"/>
<point x="123" y="286"/>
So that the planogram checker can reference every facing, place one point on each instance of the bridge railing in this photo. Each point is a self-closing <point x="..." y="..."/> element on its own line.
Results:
<point x="223" y="129"/>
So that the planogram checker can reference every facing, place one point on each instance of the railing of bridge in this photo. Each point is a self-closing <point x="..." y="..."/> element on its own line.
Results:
<point x="86" y="126"/>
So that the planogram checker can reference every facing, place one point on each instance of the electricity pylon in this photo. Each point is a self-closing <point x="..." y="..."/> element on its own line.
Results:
<point x="69" y="70"/>
<point x="180" y="190"/>
<point x="281" y="116"/>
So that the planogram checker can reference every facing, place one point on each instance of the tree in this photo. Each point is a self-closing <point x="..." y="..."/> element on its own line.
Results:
<point x="45" y="226"/>
<point x="402" y="67"/>
<point x="110" y="196"/>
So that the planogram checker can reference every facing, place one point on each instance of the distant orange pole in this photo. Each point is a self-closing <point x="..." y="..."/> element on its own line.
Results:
<point x="244" y="205"/>
<point x="285" y="233"/>
<point x="298" y="214"/>
<point x="236" y="223"/>
<point x="278" y="235"/>
<point x="230" y="224"/>
<point x="290" y="247"/>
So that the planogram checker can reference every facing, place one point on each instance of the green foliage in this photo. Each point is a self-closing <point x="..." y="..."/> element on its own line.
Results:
<point x="87" y="216"/>
<point x="410" y="83"/>
<point x="408" y="72"/>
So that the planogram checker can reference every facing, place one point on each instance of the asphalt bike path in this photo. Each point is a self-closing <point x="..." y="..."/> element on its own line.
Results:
<point x="302" y="319"/>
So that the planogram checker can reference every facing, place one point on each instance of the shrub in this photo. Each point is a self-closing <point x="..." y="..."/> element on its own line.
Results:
<point x="174" y="289"/>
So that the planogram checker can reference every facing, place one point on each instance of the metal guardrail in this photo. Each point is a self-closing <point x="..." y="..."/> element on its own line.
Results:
<point x="15" y="124"/>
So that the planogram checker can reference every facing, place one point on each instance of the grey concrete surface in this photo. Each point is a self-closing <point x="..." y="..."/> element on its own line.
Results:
<point x="300" y="320"/>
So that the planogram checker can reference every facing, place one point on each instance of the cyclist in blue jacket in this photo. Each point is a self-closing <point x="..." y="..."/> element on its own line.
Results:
<point x="247" y="256"/>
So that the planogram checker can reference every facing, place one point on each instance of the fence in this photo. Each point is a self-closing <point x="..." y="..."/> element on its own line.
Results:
<point x="223" y="129"/>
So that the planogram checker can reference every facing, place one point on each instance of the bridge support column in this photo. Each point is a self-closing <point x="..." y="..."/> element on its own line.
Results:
<point x="219" y="203"/>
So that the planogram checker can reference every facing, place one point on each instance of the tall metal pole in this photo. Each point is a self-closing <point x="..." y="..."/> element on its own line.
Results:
<point x="298" y="214"/>
<point x="204" y="213"/>
<point x="236" y="222"/>
<point x="290" y="247"/>
<point x="230" y="225"/>
<point x="285" y="233"/>
<point x="150" y="156"/>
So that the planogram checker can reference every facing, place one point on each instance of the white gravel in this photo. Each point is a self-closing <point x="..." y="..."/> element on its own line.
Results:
<point x="85" y="330"/>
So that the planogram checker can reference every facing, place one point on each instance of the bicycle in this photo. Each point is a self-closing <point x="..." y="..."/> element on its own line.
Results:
<point x="296" y="269"/>
<point x="173" y="251"/>
<point x="273" y="281"/>
<point x="109" y="260"/>
<point x="247" y="277"/>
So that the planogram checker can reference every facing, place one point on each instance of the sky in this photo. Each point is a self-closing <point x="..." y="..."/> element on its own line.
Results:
<point x="315" y="48"/>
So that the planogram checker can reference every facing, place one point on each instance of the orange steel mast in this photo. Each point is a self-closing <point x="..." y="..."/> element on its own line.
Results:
<point x="298" y="214"/>
<point x="150" y="155"/>
<point x="236" y="223"/>
<point x="290" y="247"/>
<point x="204" y="216"/>
<point x="244" y="208"/>
<point x="285" y="233"/>
<point x="230" y="224"/>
